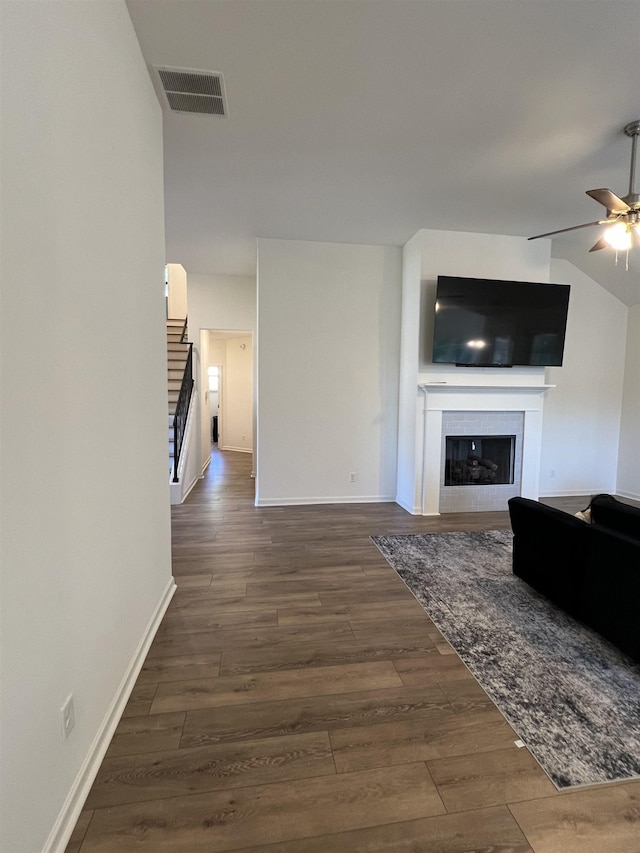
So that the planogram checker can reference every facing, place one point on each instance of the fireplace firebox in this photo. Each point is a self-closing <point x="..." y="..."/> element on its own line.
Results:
<point x="480" y="460"/>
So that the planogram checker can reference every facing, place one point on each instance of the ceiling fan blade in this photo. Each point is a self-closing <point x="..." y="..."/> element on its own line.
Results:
<point x="609" y="200"/>
<point x="601" y="244"/>
<point x="563" y="230"/>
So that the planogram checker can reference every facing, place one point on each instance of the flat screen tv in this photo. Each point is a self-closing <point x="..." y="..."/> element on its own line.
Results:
<point x="481" y="322"/>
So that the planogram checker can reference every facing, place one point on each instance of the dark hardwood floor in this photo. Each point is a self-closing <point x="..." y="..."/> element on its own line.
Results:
<point x="297" y="699"/>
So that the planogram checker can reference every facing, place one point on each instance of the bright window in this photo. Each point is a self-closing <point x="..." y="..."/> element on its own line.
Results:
<point x="214" y="378"/>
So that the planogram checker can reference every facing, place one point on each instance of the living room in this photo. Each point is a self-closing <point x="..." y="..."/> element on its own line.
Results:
<point x="345" y="304"/>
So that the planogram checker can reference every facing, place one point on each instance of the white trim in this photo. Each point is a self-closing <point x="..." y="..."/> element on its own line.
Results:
<point x="67" y="819"/>
<point x="206" y="464"/>
<point x="570" y="493"/>
<point x="451" y="386"/>
<point x="631" y="495"/>
<point x="366" y="499"/>
<point x="189" y="489"/>
<point x="437" y="398"/>
<point x="413" y="510"/>
<point x="236" y="449"/>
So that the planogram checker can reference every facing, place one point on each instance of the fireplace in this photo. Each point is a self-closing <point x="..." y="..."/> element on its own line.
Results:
<point x="448" y="409"/>
<point x="479" y="460"/>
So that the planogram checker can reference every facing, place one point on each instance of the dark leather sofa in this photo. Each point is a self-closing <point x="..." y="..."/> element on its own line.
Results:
<point x="591" y="570"/>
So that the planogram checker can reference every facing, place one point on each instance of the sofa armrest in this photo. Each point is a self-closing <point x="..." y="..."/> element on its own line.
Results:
<point x="549" y="548"/>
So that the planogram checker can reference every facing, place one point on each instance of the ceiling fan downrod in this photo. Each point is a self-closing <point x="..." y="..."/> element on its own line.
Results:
<point x="632" y="130"/>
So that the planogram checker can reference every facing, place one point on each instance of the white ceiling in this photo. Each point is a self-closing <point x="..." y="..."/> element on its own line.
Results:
<point x="363" y="121"/>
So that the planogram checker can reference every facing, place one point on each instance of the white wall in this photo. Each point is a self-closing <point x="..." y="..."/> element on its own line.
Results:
<point x="177" y="308"/>
<point x="237" y="396"/>
<point x="328" y="363"/>
<point x="218" y="302"/>
<point x="582" y="414"/>
<point x="85" y="535"/>
<point x="629" y="457"/>
<point x="221" y="302"/>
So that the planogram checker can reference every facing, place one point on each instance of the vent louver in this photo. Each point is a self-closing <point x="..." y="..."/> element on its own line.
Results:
<point x="193" y="91"/>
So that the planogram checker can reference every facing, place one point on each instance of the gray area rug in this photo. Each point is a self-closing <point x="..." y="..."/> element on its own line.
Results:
<point x="573" y="698"/>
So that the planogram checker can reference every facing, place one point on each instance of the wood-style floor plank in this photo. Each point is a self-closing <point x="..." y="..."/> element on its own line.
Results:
<point x="476" y="780"/>
<point x="210" y="642"/>
<point x="483" y="831"/>
<point x="210" y="601"/>
<point x="431" y="668"/>
<point x="605" y="819"/>
<point x="348" y="612"/>
<point x="242" y="689"/>
<point x="180" y="668"/>
<point x="179" y="622"/>
<point x="148" y="733"/>
<point x="328" y="653"/>
<point x="445" y="734"/>
<point x="243" y="817"/>
<point x="320" y="713"/>
<point x="297" y="699"/>
<point x="155" y="775"/>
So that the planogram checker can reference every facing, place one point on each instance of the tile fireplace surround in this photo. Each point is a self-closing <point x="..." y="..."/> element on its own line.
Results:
<point x="439" y="401"/>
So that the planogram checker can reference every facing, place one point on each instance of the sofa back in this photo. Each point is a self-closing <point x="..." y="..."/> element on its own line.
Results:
<point x="617" y="516"/>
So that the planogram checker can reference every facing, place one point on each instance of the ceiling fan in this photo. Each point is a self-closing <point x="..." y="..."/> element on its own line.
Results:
<point x="623" y="214"/>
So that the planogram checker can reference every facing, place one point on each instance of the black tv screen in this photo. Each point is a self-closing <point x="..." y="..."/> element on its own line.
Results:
<point x="481" y="322"/>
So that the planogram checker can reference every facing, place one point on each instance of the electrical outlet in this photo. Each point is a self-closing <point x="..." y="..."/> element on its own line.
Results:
<point x="68" y="714"/>
<point x="352" y="477"/>
<point x="552" y="473"/>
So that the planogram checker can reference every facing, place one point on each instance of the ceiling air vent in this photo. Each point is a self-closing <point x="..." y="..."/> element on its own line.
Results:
<point x="193" y="91"/>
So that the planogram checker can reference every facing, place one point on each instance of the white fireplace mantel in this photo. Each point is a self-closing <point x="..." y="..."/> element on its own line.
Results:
<point x="452" y="386"/>
<point x="438" y="397"/>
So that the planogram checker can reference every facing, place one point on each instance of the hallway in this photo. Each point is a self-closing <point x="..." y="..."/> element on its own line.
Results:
<point x="297" y="699"/>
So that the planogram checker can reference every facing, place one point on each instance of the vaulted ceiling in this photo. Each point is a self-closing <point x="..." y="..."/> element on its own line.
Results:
<point x="363" y="121"/>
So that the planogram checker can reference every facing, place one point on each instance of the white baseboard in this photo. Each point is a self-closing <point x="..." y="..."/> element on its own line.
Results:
<point x="66" y="820"/>
<point x="569" y="493"/>
<point x="178" y="491"/>
<point x="633" y="496"/>
<point x="236" y="449"/>
<point x="189" y="488"/>
<point x="361" y="499"/>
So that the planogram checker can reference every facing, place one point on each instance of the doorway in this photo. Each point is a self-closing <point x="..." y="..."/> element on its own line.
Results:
<point x="227" y="404"/>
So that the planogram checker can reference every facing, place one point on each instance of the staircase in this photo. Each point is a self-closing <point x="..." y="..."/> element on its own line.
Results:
<point x="177" y="355"/>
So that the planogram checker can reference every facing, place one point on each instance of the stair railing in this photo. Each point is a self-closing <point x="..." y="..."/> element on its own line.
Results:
<point x="182" y="410"/>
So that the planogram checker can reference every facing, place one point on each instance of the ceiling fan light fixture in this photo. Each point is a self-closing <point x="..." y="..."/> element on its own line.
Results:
<point x="623" y="214"/>
<point x="618" y="236"/>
